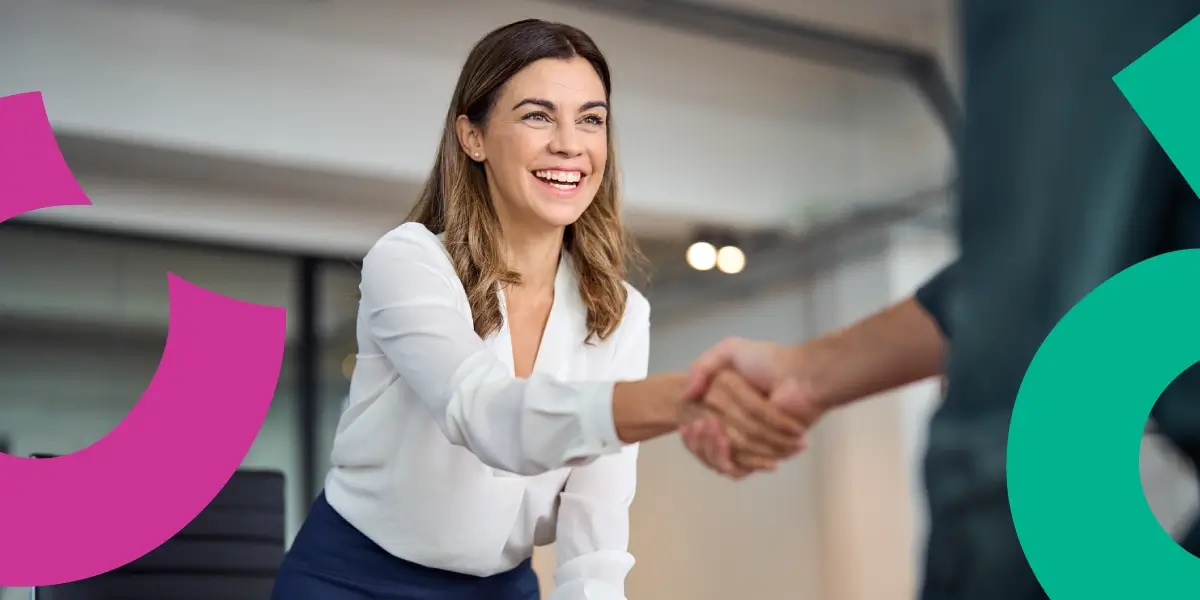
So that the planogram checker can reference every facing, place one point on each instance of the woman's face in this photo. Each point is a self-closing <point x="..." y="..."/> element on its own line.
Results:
<point x="545" y="144"/>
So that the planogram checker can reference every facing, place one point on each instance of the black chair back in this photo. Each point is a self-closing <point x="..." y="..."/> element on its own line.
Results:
<point x="231" y="551"/>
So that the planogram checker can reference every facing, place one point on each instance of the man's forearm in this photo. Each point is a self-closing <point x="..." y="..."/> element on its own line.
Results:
<point x="897" y="346"/>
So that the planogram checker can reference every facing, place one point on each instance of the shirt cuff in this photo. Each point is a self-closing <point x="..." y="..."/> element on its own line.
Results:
<point x="597" y="425"/>
<point x="590" y="589"/>
<point x="593" y="576"/>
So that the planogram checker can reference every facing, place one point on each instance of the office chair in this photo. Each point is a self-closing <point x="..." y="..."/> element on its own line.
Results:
<point x="231" y="551"/>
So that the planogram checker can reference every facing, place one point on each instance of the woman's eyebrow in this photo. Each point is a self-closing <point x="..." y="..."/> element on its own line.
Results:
<point x="548" y="105"/>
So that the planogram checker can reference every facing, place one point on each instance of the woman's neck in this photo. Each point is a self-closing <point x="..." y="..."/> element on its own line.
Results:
<point x="534" y="254"/>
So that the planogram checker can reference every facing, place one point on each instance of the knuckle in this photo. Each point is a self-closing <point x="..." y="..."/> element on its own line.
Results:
<point x="724" y="378"/>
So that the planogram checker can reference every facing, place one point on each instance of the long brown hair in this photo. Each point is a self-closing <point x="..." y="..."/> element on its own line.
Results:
<point x="455" y="200"/>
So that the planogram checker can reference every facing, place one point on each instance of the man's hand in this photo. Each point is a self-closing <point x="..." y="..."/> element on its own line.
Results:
<point x="744" y="412"/>
<point x="896" y="346"/>
<point x="769" y="368"/>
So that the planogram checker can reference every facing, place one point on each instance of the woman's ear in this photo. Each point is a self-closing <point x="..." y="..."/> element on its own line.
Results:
<point x="470" y="138"/>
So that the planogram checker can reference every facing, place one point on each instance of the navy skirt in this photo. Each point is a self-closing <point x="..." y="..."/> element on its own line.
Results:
<point x="331" y="560"/>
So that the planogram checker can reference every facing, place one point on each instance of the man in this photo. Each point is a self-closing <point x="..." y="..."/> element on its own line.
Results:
<point x="1062" y="187"/>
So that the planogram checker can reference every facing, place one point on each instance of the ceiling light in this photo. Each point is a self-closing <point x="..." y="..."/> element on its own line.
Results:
<point x="731" y="260"/>
<point x="702" y="256"/>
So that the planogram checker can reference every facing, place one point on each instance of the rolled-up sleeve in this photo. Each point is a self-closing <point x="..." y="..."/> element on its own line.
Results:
<point x="936" y="297"/>
<point x="593" y="519"/>
<point x="413" y="308"/>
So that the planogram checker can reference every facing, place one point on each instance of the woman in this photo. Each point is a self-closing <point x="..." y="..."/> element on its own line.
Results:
<point x="501" y="379"/>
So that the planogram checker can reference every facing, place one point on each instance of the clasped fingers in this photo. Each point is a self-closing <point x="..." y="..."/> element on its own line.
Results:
<point x="755" y="424"/>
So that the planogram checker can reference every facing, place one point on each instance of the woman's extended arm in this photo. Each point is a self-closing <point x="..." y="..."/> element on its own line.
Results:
<point x="412" y="306"/>
<point x="415" y="310"/>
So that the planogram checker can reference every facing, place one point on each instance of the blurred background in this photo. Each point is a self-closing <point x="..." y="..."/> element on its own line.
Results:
<point x="789" y="165"/>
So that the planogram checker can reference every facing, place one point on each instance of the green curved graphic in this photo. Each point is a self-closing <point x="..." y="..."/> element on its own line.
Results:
<point x="1074" y="443"/>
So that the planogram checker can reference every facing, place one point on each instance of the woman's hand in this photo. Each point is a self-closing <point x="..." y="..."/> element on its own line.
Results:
<point x="736" y="429"/>
<point x="754" y="425"/>
<point x="722" y="449"/>
<point x="707" y="438"/>
<point x="766" y="368"/>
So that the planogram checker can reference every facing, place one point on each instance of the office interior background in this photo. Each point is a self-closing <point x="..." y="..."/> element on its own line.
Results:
<point x="259" y="147"/>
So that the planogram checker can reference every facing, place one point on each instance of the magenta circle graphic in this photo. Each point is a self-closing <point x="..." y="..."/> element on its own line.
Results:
<point x="87" y="513"/>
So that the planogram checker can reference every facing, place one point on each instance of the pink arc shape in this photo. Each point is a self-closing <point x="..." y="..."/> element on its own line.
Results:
<point x="87" y="513"/>
<point x="33" y="174"/>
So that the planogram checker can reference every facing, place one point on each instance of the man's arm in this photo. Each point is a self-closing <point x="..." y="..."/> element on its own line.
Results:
<point x="901" y="344"/>
<point x="894" y="347"/>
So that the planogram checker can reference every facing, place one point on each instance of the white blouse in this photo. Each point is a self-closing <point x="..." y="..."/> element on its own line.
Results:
<point x="446" y="459"/>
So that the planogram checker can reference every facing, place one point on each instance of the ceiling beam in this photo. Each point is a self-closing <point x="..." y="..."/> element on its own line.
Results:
<point x="809" y="41"/>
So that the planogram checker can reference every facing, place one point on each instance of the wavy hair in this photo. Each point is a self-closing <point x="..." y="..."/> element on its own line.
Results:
<point x="455" y="199"/>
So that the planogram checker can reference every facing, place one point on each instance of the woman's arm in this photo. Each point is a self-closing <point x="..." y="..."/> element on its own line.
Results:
<point x="593" y="529"/>
<point x="593" y="516"/>
<point x="413" y="308"/>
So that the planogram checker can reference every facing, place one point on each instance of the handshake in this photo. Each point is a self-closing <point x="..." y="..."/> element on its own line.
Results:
<point x="744" y="406"/>
<point x="747" y="405"/>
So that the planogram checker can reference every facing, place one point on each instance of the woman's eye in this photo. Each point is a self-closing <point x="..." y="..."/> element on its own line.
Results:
<point x="593" y="120"/>
<point x="537" y="116"/>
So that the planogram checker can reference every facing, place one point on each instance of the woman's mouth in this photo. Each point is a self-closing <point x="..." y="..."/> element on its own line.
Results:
<point x="563" y="181"/>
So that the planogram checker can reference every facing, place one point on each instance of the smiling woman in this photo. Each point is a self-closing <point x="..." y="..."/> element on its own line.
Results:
<point x="499" y="389"/>
<point x="500" y="386"/>
<point x="516" y="254"/>
<point x="527" y="150"/>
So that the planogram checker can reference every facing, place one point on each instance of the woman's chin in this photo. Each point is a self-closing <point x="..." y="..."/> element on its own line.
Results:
<point x="560" y="215"/>
<point x="558" y="223"/>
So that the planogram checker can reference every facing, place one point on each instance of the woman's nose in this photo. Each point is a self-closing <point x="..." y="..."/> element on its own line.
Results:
<point x="566" y="141"/>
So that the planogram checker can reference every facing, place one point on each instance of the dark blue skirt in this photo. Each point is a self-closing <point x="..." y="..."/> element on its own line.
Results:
<point x="331" y="560"/>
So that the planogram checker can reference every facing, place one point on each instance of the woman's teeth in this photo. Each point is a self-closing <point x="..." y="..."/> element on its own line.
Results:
<point x="563" y="180"/>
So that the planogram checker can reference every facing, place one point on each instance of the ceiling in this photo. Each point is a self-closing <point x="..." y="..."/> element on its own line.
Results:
<point x="883" y="165"/>
<point x="911" y="25"/>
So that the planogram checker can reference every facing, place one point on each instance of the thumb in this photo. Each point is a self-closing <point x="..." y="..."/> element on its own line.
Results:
<point x="697" y="385"/>
<point x="706" y="367"/>
<point x="714" y="359"/>
<point x="794" y="399"/>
